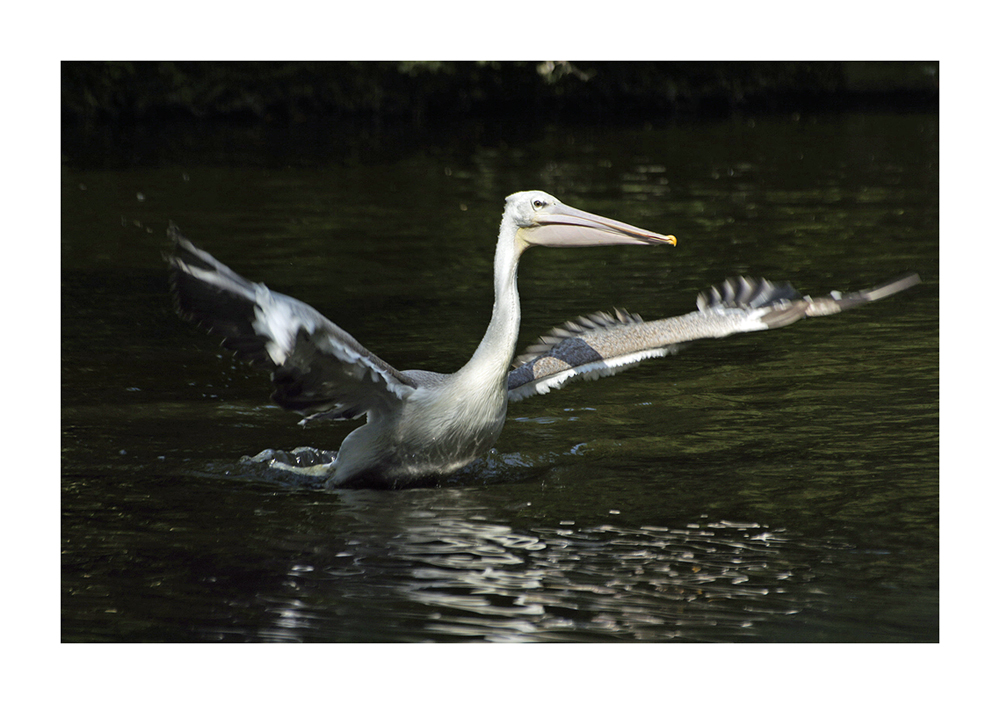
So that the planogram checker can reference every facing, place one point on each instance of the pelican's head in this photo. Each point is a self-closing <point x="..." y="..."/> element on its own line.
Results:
<point x="542" y="219"/>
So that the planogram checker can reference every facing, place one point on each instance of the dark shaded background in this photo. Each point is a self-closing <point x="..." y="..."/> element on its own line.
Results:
<point x="123" y="92"/>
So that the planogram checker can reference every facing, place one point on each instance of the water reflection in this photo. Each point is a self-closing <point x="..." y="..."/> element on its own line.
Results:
<point x="455" y="574"/>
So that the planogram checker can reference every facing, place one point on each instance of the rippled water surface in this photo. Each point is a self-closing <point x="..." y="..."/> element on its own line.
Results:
<point x="780" y="486"/>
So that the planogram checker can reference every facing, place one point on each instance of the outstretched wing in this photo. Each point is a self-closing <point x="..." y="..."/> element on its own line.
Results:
<point x="603" y="344"/>
<point x="317" y="369"/>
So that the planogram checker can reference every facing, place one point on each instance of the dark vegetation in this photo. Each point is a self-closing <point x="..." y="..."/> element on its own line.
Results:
<point x="416" y="92"/>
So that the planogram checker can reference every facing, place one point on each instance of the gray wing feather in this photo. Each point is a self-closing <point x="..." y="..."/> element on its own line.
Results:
<point x="317" y="368"/>
<point x="603" y="344"/>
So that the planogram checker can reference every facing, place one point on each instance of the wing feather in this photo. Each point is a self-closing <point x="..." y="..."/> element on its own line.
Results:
<point x="603" y="344"/>
<point x="317" y="368"/>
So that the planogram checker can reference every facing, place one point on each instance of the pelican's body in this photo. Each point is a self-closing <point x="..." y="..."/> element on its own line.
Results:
<point x="421" y="425"/>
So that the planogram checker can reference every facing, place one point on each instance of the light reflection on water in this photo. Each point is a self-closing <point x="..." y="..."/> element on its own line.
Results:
<point x="476" y="579"/>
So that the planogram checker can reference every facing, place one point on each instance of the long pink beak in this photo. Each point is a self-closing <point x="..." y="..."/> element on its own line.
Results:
<point x="560" y="225"/>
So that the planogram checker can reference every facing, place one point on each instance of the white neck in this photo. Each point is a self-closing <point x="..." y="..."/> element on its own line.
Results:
<point x="492" y="358"/>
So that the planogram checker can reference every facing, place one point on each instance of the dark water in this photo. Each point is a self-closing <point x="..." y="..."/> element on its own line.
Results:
<point x="780" y="486"/>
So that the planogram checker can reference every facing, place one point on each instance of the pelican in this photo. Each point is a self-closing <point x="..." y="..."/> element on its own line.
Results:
<point x="422" y="426"/>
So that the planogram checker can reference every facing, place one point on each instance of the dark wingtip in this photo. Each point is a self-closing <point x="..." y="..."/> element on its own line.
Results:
<point x="900" y="283"/>
<point x="846" y="301"/>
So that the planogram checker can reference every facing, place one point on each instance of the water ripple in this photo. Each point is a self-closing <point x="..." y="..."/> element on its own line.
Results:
<point x="474" y="579"/>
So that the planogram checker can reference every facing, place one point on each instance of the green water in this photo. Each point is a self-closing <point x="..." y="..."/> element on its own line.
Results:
<point x="771" y="487"/>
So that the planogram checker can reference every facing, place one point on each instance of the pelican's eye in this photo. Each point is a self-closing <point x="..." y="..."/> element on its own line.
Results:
<point x="538" y="204"/>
